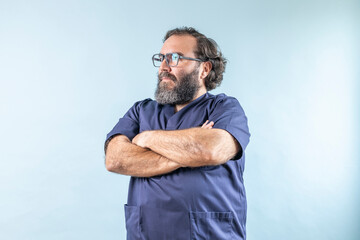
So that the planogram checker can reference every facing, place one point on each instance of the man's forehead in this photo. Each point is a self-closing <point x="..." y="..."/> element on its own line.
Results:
<point x="184" y="44"/>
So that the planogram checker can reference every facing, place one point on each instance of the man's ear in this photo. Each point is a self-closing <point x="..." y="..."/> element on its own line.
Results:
<point x="205" y="70"/>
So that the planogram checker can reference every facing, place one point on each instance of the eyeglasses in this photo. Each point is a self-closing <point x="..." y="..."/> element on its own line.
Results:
<point x="172" y="59"/>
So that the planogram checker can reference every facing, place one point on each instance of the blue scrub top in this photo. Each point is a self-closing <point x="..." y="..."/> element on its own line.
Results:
<point x="189" y="203"/>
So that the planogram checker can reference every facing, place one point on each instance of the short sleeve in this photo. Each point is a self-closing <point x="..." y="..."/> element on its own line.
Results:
<point x="127" y="125"/>
<point x="230" y="116"/>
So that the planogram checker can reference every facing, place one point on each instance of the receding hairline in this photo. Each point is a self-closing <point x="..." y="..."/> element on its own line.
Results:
<point x="185" y="35"/>
<point x="180" y="35"/>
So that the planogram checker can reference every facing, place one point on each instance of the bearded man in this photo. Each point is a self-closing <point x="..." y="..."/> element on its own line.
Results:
<point x="185" y="152"/>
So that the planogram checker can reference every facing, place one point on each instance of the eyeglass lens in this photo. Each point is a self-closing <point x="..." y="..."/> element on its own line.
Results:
<point x="172" y="59"/>
<point x="157" y="59"/>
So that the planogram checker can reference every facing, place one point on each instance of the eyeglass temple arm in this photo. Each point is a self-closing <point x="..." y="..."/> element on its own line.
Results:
<point x="189" y="58"/>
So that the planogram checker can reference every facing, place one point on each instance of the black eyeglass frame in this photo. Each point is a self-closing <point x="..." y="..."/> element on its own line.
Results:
<point x="164" y="56"/>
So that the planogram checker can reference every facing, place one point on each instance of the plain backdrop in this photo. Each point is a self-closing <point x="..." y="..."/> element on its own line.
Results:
<point x="70" y="69"/>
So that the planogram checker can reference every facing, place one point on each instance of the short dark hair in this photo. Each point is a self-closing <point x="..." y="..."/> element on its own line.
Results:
<point x="207" y="50"/>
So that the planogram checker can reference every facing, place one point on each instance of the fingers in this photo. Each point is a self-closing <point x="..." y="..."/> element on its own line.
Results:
<point x="207" y="124"/>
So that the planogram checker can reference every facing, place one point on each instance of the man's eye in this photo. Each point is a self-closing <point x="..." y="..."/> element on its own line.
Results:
<point x="175" y="57"/>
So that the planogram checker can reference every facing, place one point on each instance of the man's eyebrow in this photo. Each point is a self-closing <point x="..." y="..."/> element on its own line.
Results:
<point x="180" y="53"/>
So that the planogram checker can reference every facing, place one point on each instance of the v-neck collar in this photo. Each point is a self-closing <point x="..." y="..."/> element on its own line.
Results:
<point x="188" y="105"/>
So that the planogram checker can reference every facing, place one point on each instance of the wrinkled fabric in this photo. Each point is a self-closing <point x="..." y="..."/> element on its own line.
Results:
<point x="189" y="203"/>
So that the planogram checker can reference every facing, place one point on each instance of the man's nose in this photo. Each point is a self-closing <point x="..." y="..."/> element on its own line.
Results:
<point x="164" y="67"/>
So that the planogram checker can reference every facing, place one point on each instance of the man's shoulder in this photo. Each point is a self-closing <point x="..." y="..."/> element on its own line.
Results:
<point x="221" y="98"/>
<point x="221" y="103"/>
<point x="146" y="103"/>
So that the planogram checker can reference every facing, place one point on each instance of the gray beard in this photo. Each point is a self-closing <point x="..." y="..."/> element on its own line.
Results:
<point x="184" y="91"/>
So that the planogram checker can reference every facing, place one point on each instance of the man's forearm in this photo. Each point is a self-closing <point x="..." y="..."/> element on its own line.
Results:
<point x="126" y="158"/>
<point x="191" y="147"/>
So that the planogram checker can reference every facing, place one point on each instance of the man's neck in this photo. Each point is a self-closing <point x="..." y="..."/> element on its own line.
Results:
<point x="201" y="92"/>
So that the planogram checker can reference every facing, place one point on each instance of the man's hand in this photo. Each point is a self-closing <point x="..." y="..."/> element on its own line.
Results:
<point x="141" y="139"/>
<point x="208" y="125"/>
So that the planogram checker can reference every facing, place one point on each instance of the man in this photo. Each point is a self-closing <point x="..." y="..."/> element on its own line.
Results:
<point x="184" y="151"/>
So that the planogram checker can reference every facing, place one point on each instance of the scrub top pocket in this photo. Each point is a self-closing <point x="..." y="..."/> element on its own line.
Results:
<point x="132" y="217"/>
<point x="211" y="225"/>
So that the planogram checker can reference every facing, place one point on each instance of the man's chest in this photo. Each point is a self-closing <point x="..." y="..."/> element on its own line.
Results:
<point x="159" y="119"/>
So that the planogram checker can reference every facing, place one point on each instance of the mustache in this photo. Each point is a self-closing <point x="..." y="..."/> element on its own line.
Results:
<point x="166" y="75"/>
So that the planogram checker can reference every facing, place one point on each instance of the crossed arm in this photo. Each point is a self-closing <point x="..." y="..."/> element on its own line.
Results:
<point x="158" y="152"/>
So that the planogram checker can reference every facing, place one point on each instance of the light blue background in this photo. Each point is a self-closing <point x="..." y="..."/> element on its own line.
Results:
<point x="70" y="69"/>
